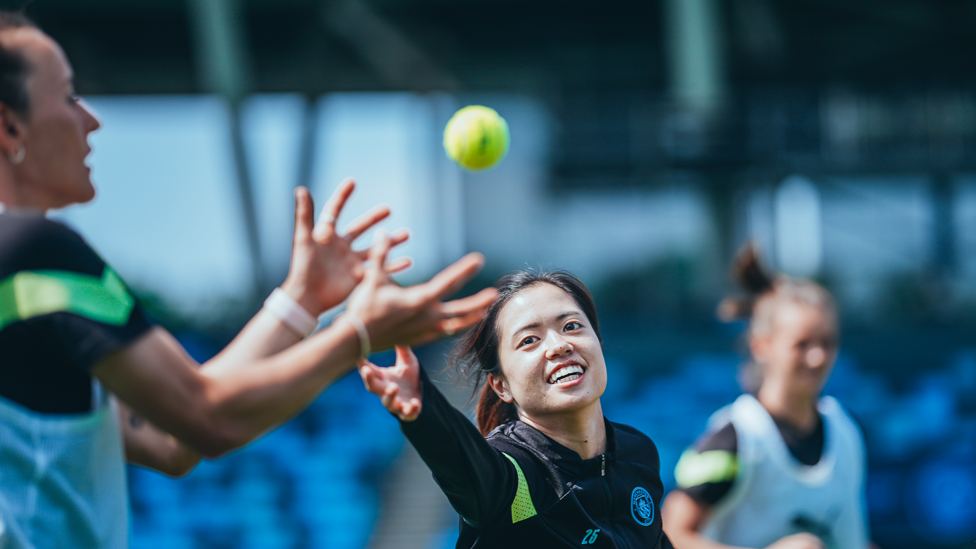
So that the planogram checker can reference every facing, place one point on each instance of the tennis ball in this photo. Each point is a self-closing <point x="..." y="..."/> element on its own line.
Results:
<point x="476" y="138"/>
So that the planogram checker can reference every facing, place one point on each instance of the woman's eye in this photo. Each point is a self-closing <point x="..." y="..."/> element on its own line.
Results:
<point x="572" y="325"/>
<point x="527" y="341"/>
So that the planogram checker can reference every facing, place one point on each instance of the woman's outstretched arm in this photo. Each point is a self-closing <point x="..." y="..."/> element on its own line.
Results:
<point x="323" y="272"/>
<point x="148" y="446"/>
<point x="215" y="411"/>
<point x="477" y="479"/>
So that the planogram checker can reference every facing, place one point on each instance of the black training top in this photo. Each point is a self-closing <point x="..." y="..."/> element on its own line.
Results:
<point x="61" y="310"/>
<point x="519" y="488"/>
<point x="806" y="447"/>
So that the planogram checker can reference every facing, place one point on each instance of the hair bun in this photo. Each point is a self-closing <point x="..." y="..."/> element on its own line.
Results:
<point x="748" y="272"/>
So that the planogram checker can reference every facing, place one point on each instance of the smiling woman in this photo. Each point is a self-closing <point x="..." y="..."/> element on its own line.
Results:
<point x="479" y="354"/>
<point x="782" y="468"/>
<point x="547" y="469"/>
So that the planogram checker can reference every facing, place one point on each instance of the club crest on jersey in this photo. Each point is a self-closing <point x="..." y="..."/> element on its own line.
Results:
<point x="642" y="506"/>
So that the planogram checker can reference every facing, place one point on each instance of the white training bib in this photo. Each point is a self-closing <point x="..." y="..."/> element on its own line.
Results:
<point x="774" y="495"/>
<point x="62" y="478"/>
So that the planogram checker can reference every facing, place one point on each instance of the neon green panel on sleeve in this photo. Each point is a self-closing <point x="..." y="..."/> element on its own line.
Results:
<point x="28" y="294"/>
<point x="522" y="507"/>
<point x="711" y="466"/>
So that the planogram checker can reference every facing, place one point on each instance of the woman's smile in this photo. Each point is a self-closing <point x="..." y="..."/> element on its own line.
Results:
<point x="566" y="373"/>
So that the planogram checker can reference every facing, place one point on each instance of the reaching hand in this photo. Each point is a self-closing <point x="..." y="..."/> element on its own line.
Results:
<point x="397" y="386"/>
<point x="324" y="267"/>
<point x="394" y="315"/>
<point x="798" y="541"/>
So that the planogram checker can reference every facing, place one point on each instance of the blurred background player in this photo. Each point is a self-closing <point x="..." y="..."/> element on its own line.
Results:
<point x="547" y="469"/>
<point x="72" y="336"/>
<point x="781" y="467"/>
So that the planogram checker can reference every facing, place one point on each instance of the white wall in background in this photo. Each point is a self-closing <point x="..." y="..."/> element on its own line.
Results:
<point x="598" y="234"/>
<point x="273" y="127"/>
<point x="799" y="230"/>
<point x="964" y="223"/>
<point x="874" y="229"/>
<point x="168" y="214"/>
<point x="167" y="211"/>
<point x="389" y="142"/>
<point x="518" y="220"/>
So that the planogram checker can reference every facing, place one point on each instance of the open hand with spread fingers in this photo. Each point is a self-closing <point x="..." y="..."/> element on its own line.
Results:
<point x="324" y="267"/>
<point x="387" y="314"/>
<point x="397" y="386"/>
<point x="802" y="540"/>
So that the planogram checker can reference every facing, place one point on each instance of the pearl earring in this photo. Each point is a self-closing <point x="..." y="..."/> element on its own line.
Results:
<point x="18" y="157"/>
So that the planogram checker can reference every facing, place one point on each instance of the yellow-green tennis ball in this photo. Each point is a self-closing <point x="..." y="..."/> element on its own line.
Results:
<point x="476" y="138"/>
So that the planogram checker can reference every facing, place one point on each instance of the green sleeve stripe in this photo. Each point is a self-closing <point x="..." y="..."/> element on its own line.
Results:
<point x="711" y="466"/>
<point x="522" y="507"/>
<point x="29" y="294"/>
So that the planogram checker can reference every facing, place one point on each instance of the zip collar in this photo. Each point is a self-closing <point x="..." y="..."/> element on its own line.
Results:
<point x="562" y="457"/>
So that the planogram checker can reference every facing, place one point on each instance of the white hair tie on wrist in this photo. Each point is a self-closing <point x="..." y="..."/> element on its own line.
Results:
<point x="290" y="313"/>
<point x="357" y="323"/>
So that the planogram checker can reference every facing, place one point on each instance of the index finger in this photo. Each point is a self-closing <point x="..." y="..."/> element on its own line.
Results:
<point x="466" y="305"/>
<point x="447" y="282"/>
<point x="337" y="201"/>
<point x="304" y="213"/>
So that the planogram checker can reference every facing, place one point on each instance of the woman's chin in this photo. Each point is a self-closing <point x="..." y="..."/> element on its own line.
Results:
<point x="85" y="194"/>
<point x="575" y="402"/>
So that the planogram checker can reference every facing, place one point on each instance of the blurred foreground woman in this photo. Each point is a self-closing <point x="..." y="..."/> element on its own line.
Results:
<point x="73" y="338"/>
<point x="783" y="468"/>
<point x="546" y="469"/>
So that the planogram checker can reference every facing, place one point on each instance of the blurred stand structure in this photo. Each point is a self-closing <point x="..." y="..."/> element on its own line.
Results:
<point x="649" y="140"/>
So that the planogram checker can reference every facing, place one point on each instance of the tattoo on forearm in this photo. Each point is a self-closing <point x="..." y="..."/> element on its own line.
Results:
<point x="136" y="421"/>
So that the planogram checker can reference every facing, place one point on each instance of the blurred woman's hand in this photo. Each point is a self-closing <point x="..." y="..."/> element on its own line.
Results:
<point x="798" y="541"/>
<point x="397" y="386"/>
<point x="324" y="267"/>
<point x="394" y="315"/>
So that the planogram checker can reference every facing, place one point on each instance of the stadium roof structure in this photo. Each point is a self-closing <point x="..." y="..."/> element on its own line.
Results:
<point x="317" y="46"/>
<point x="744" y="71"/>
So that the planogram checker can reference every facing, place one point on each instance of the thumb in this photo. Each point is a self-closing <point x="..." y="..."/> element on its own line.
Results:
<point x="304" y="213"/>
<point x="371" y="377"/>
<point x="405" y="356"/>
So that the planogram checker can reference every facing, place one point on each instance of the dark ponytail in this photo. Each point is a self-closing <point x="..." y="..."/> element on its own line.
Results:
<point x="14" y="67"/>
<point x="749" y="274"/>
<point x="475" y="356"/>
<point x="766" y="291"/>
<point x="493" y="411"/>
